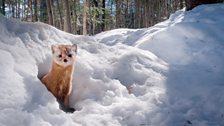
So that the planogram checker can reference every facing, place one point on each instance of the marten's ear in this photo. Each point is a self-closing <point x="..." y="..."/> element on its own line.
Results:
<point x="53" y="48"/>
<point x="74" y="48"/>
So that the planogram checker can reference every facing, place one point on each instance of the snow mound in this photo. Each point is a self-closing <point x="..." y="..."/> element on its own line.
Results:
<point x="102" y="75"/>
<point x="170" y="74"/>
<point x="192" y="43"/>
<point x="184" y="31"/>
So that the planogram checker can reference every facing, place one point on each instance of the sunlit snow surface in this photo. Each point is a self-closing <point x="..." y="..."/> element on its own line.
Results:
<point x="174" y="71"/>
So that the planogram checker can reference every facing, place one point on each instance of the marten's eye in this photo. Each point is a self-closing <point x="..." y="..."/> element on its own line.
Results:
<point x="60" y="56"/>
<point x="69" y="55"/>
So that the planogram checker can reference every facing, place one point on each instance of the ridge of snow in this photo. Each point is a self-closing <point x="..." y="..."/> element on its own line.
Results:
<point x="192" y="44"/>
<point x="176" y="80"/>
<point x="102" y="75"/>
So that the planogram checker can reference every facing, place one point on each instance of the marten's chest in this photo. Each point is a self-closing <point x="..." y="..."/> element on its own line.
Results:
<point x="61" y="77"/>
<point x="60" y="83"/>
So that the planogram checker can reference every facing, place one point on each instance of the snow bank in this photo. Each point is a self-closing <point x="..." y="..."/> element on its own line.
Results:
<point x="180" y="83"/>
<point x="184" y="31"/>
<point x="192" y="43"/>
<point x="102" y="75"/>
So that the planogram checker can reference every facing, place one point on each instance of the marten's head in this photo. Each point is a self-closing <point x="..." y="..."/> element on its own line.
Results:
<point x="64" y="55"/>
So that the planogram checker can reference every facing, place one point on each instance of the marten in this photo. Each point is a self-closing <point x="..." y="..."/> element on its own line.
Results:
<point x="59" y="79"/>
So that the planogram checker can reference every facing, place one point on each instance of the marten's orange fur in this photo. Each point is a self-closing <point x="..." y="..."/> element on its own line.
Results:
<point x="59" y="79"/>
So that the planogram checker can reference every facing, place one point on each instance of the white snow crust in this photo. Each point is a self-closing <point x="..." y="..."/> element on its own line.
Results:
<point x="171" y="74"/>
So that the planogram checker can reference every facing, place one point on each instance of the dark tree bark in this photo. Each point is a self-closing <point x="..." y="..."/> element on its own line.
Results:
<point x="31" y="10"/>
<point x="35" y="16"/>
<point x="74" y="18"/>
<point x="118" y="13"/>
<point x="2" y="9"/>
<point x="67" y="18"/>
<point x="50" y="13"/>
<point x="60" y="16"/>
<point x="18" y="9"/>
<point x="84" y="18"/>
<point x="89" y="18"/>
<point x="126" y="14"/>
<point x="95" y="17"/>
<point x="43" y="11"/>
<point x="146" y="13"/>
<point x="13" y="8"/>
<point x="181" y="4"/>
<point x="111" y="11"/>
<point x="190" y="4"/>
<point x="137" y="13"/>
<point x="103" y="16"/>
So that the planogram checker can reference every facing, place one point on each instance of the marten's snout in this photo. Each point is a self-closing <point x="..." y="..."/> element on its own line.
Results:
<point x="65" y="60"/>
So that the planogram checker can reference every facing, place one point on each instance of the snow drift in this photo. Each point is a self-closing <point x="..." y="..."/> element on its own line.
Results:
<point x="101" y="78"/>
<point x="180" y="83"/>
<point x="192" y="43"/>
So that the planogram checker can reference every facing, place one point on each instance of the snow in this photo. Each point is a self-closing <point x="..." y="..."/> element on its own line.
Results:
<point x="170" y="74"/>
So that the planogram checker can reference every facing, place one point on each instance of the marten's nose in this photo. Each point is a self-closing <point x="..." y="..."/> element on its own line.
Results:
<point x="65" y="60"/>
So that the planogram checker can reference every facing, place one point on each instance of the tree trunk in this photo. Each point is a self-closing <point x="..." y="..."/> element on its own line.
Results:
<point x="145" y="14"/>
<point x="23" y="11"/>
<point x="137" y="13"/>
<point x="89" y="17"/>
<point x="60" y="16"/>
<point x="26" y="10"/>
<point x="13" y="9"/>
<point x="94" y="18"/>
<point x="31" y="10"/>
<point x="78" y="19"/>
<point x="190" y="4"/>
<point x="126" y="15"/>
<point x="181" y="4"/>
<point x="43" y="11"/>
<point x="85" y="18"/>
<point x="142" y="15"/>
<point x="18" y="9"/>
<point x="67" y="18"/>
<point x="111" y="11"/>
<point x="50" y="13"/>
<point x="103" y="16"/>
<point x="118" y="14"/>
<point x="74" y="18"/>
<point x="2" y="7"/>
<point x="35" y="16"/>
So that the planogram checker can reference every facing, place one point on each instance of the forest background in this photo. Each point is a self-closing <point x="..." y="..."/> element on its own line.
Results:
<point x="89" y="17"/>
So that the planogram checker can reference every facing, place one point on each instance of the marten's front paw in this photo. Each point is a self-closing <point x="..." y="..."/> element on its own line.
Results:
<point x="63" y="108"/>
<point x="69" y="110"/>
